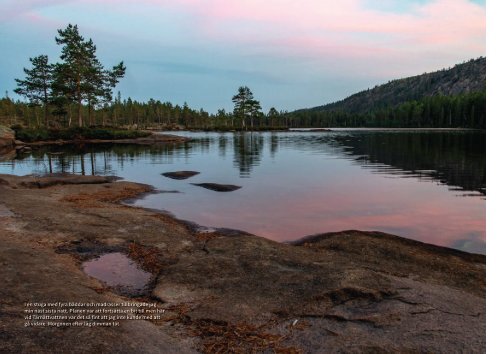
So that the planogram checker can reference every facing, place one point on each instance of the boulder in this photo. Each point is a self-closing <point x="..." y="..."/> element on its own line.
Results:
<point x="7" y="153"/>
<point x="7" y="137"/>
<point x="180" y="174"/>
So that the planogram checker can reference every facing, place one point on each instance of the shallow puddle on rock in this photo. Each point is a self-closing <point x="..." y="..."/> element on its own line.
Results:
<point x="118" y="271"/>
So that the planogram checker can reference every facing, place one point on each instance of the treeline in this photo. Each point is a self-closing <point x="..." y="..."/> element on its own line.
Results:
<point x="133" y="114"/>
<point x="461" y="111"/>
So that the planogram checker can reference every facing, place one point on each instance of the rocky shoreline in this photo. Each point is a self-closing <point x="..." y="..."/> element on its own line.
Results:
<point x="154" y="138"/>
<point x="349" y="291"/>
<point x="9" y="145"/>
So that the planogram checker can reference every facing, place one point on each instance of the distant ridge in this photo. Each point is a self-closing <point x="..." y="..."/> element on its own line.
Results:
<point x="465" y="78"/>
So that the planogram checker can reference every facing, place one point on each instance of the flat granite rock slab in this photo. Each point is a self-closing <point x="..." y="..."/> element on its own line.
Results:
<point x="52" y="180"/>
<point x="218" y="187"/>
<point x="5" y="212"/>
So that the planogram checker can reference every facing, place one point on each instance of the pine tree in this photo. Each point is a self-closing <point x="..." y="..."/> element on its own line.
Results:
<point x="72" y="75"/>
<point x="81" y="77"/>
<point x="255" y="111"/>
<point x="245" y="105"/>
<point x="272" y="115"/>
<point x="37" y="85"/>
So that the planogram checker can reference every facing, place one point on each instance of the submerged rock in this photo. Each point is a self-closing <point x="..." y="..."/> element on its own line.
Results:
<point x="218" y="187"/>
<point x="180" y="174"/>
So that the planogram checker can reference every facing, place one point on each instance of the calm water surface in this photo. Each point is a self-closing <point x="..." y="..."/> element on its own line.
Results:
<point x="425" y="185"/>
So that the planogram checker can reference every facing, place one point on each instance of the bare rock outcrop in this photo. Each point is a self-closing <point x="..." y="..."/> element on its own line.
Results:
<point x="343" y="292"/>
<point x="7" y="137"/>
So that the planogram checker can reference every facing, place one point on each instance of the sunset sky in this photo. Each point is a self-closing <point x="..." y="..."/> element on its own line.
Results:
<point x="291" y="53"/>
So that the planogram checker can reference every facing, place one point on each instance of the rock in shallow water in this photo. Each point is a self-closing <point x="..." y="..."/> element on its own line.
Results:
<point x="180" y="174"/>
<point x="218" y="187"/>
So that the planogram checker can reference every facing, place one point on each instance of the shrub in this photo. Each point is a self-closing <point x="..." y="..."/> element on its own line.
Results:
<point x="31" y="135"/>
<point x="76" y="133"/>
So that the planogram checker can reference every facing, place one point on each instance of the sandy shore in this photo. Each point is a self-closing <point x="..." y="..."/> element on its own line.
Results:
<point x="350" y="291"/>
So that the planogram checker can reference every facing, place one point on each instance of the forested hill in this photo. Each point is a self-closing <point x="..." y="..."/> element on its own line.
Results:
<point x="463" y="78"/>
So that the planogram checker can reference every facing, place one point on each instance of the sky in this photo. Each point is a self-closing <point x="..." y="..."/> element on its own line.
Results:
<point x="291" y="53"/>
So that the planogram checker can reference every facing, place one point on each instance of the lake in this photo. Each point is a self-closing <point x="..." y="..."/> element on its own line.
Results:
<point x="425" y="185"/>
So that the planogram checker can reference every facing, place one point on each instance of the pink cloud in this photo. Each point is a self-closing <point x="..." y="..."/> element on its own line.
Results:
<point x="437" y="22"/>
<point x="434" y="18"/>
<point x="441" y="32"/>
<point x="12" y="9"/>
<point x="346" y="29"/>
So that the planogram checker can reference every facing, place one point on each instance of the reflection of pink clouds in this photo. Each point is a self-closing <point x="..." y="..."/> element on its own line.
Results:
<point x="293" y="216"/>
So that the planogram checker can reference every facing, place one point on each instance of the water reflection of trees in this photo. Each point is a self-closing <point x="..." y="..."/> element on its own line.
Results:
<point x="223" y="142"/>
<point x="273" y="144"/>
<point x="457" y="159"/>
<point x="106" y="158"/>
<point x="98" y="159"/>
<point x="248" y="149"/>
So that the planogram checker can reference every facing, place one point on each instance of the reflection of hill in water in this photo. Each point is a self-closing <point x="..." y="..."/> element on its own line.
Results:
<point x="457" y="159"/>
